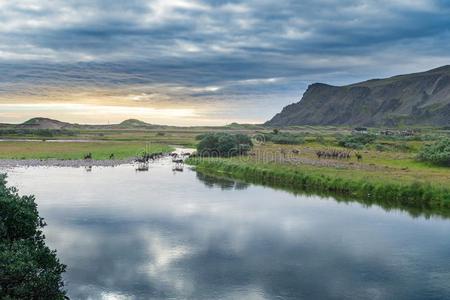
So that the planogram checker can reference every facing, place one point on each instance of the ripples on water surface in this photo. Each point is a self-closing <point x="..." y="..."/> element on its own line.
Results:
<point x="158" y="234"/>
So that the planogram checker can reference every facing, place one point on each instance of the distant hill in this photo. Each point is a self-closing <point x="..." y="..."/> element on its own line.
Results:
<point x="413" y="99"/>
<point x="44" y="123"/>
<point x="134" y="123"/>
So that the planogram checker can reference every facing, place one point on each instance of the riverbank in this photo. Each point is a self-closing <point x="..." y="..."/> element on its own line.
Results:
<point x="388" y="193"/>
<point x="72" y="163"/>
<point x="112" y="152"/>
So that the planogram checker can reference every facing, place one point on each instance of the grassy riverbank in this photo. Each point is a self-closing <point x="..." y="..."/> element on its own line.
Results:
<point x="368" y="186"/>
<point x="388" y="171"/>
<point x="77" y="150"/>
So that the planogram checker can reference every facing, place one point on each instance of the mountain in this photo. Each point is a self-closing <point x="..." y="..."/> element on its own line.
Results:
<point x="412" y="99"/>
<point x="45" y="123"/>
<point x="134" y="123"/>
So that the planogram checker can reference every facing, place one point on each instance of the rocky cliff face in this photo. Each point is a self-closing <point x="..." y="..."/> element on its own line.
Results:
<point x="413" y="99"/>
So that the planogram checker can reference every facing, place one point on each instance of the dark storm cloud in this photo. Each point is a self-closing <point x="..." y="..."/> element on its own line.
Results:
<point x="219" y="49"/>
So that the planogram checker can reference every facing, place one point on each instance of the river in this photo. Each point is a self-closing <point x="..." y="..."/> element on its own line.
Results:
<point x="164" y="234"/>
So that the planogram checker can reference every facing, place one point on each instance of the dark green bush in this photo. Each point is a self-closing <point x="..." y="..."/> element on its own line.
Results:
<point x="356" y="141"/>
<point x="320" y="140"/>
<point x="44" y="132"/>
<point x="200" y="136"/>
<point x="28" y="268"/>
<point x="437" y="153"/>
<point x="284" y="138"/>
<point x="224" y="144"/>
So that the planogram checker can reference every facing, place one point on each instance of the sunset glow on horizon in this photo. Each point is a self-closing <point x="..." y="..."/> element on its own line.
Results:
<point x="202" y="62"/>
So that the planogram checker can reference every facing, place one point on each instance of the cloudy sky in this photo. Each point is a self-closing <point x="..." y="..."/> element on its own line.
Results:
<point x="203" y="62"/>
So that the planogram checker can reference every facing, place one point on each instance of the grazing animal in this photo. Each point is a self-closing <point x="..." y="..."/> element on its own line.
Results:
<point x="319" y="154"/>
<point x="296" y="151"/>
<point x="142" y="167"/>
<point x="144" y="158"/>
<point x="178" y="161"/>
<point x="358" y="156"/>
<point x="334" y="154"/>
<point x="88" y="156"/>
<point x="177" y="169"/>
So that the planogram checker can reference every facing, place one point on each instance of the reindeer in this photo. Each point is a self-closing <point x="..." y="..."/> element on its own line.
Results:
<point x="359" y="156"/>
<point x="144" y="158"/>
<point x="319" y="154"/>
<point x="178" y="161"/>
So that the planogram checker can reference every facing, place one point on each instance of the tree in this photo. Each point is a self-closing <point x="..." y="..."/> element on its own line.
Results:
<point x="28" y="268"/>
<point x="356" y="141"/>
<point x="224" y="144"/>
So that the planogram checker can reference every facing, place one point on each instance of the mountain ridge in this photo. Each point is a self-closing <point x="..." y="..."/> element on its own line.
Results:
<point x="421" y="98"/>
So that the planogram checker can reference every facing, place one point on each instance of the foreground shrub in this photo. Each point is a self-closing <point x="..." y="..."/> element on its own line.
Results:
<point x="437" y="153"/>
<point x="28" y="268"/>
<point x="224" y="144"/>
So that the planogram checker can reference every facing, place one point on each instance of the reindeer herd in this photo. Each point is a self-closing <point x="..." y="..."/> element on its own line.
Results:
<point x="146" y="157"/>
<point x="336" y="154"/>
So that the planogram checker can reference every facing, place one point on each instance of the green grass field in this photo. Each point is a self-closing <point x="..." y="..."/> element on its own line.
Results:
<point x="375" y="165"/>
<point x="77" y="150"/>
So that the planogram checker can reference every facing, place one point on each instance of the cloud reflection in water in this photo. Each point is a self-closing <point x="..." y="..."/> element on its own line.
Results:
<point x="155" y="235"/>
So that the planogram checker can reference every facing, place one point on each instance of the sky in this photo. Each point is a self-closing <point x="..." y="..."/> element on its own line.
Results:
<point x="208" y="62"/>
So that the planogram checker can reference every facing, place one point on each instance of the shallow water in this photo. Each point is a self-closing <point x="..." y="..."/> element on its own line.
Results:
<point x="158" y="234"/>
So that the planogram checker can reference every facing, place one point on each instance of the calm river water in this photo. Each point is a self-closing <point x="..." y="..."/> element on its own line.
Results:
<point x="163" y="235"/>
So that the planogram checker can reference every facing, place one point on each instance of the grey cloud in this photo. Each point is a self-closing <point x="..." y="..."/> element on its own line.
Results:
<point x="212" y="43"/>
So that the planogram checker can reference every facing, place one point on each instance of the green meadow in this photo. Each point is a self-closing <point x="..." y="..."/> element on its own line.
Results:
<point x="100" y="150"/>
